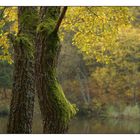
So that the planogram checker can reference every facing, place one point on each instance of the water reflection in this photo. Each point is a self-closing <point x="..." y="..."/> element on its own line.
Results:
<point x="106" y="126"/>
<point x="88" y="126"/>
<point x="3" y="124"/>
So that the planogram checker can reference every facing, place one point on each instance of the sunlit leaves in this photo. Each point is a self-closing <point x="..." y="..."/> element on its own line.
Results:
<point x="8" y="24"/>
<point x="96" y="29"/>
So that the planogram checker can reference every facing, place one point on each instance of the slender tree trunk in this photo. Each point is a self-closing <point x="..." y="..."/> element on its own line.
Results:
<point x="55" y="108"/>
<point x="4" y="93"/>
<point x="82" y="89"/>
<point x="22" y="103"/>
<point x="134" y="95"/>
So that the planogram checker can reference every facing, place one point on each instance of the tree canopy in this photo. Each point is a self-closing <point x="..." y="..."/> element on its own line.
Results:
<point x="8" y="25"/>
<point x="95" y="29"/>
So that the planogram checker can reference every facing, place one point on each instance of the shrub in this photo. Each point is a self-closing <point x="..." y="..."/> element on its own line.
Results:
<point x="131" y="112"/>
<point x="112" y="112"/>
<point x="4" y="110"/>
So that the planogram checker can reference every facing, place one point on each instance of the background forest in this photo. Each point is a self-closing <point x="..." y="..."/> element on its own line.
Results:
<point x="98" y="66"/>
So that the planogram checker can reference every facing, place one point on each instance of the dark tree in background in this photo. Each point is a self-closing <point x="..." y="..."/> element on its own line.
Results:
<point x="5" y="78"/>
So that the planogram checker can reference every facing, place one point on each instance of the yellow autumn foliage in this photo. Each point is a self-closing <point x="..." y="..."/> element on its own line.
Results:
<point x="8" y="24"/>
<point x="96" y="29"/>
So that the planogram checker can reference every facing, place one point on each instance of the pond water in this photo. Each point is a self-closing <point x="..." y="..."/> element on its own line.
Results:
<point x="106" y="126"/>
<point x="89" y="126"/>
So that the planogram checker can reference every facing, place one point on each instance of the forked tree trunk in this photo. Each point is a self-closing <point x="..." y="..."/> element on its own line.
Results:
<point x="55" y="108"/>
<point x="22" y="103"/>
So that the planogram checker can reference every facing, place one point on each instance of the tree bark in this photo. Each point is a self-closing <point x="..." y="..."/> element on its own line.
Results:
<point x="22" y="103"/>
<point x="56" y="110"/>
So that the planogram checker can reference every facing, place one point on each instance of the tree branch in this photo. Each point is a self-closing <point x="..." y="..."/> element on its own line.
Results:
<point x="91" y="11"/>
<point x="60" y="19"/>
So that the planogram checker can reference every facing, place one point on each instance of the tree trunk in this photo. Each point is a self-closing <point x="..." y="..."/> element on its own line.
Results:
<point x="134" y="95"/>
<point x="22" y="103"/>
<point x="56" y="110"/>
<point x="4" y="93"/>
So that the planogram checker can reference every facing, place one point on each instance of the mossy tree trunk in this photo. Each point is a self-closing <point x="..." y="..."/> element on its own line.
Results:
<point x="22" y="103"/>
<point x="55" y="108"/>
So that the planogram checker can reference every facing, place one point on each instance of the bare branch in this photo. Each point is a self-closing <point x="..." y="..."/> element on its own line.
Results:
<point x="60" y="19"/>
<point x="92" y="11"/>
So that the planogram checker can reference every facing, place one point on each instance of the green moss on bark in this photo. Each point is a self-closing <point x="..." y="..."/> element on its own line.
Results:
<point x="55" y="108"/>
<point x="63" y="108"/>
<point x="26" y="41"/>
